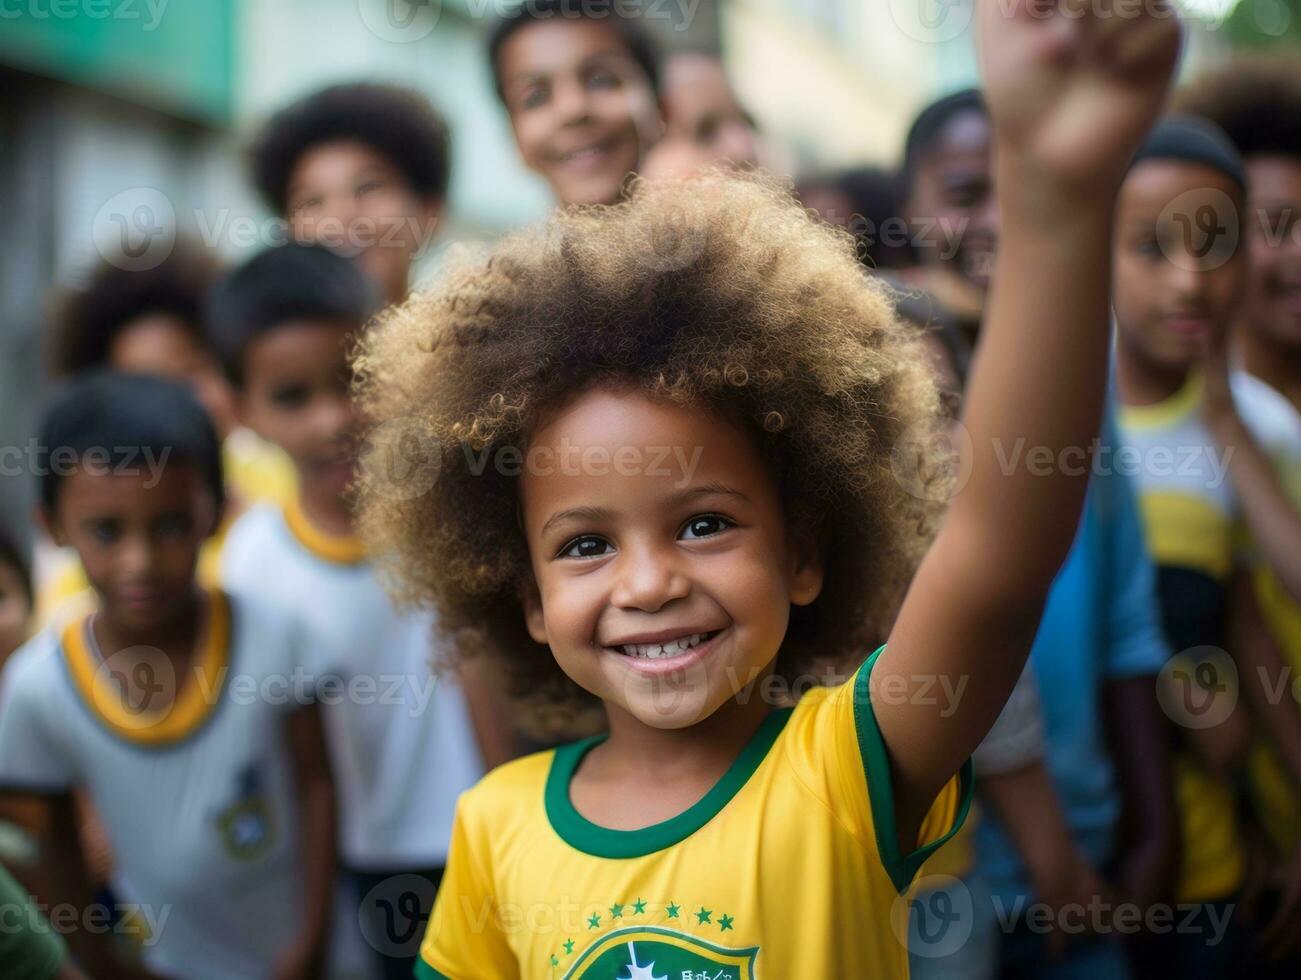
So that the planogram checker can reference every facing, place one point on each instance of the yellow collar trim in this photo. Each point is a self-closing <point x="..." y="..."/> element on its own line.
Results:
<point x="1169" y="412"/>
<point x="196" y="695"/>
<point x="337" y="549"/>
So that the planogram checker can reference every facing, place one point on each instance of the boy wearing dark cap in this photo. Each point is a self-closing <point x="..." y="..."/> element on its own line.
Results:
<point x="1191" y="433"/>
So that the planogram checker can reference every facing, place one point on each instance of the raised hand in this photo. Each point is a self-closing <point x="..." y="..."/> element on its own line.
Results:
<point x="1074" y="85"/>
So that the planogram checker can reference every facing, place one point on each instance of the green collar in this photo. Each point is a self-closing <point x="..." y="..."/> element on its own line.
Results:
<point x="583" y="835"/>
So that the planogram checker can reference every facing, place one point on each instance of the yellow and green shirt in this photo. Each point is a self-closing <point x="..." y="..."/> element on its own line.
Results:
<point x="788" y="867"/>
<point x="1192" y="523"/>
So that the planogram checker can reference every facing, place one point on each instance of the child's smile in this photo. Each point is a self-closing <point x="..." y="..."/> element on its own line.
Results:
<point x="663" y="596"/>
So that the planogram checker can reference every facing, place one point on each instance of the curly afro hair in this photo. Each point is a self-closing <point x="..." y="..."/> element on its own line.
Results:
<point x="88" y="320"/>
<point x="396" y="122"/>
<point x="1255" y="99"/>
<point x="718" y="291"/>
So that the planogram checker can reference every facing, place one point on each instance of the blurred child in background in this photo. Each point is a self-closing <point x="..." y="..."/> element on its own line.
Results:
<point x="283" y="322"/>
<point x="1090" y="817"/>
<point x="17" y="601"/>
<point x="219" y="807"/>
<point x="581" y="86"/>
<point x="1201" y="474"/>
<point x="1257" y="102"/>
<point x="147" y="321"/>
<point x="949" y="201"/>
<point x="706" y="123"/>
<point x="361" y="168"/>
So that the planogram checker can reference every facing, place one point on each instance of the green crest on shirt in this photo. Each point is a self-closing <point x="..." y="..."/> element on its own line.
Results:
<point x="655" y="953"/>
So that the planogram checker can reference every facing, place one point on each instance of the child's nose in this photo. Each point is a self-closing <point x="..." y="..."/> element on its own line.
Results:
<point x="649" y="579"/>
<point x="571" y="101"/>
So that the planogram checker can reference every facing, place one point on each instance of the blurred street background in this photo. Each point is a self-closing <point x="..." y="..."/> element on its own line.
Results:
<point x="123" y="122"/>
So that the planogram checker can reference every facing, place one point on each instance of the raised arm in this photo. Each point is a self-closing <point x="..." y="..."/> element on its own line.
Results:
<point x="1072" y="89"/>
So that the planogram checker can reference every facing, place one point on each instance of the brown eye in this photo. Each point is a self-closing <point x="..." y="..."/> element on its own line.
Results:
<point x="705" y="526"/>
<point x="588" y="546"/>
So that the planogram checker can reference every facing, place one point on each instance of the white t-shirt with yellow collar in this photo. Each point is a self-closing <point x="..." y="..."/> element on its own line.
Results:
<point x="400" y="738"/>
<point x="197" y="798"/>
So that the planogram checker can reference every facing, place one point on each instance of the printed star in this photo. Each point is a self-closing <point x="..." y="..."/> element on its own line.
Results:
<point x="725" y="922"/>
<point x="616" y="911"/>
<point x="703" y="916"/>
<point x="673" y="910"/>
<point x="554" y="960"/>
<point x="639" y="907"/>
<point x="569" y="946"/>
<point x="594" y="921"/>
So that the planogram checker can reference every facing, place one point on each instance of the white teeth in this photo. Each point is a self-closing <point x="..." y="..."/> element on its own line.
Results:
<point x="658" y="651"/>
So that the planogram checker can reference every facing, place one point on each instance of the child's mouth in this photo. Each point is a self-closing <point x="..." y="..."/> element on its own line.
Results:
<point x="667" y="649"/>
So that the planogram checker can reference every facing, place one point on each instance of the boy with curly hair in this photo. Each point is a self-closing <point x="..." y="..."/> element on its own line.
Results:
<point x="361" y="168"/>
<point x="672" y="443"/>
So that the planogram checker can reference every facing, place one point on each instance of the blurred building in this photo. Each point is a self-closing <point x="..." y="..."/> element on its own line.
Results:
<point x="123" y="121"/>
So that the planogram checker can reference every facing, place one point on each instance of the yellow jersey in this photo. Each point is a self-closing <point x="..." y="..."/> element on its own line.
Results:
<point x="788" y="867"/>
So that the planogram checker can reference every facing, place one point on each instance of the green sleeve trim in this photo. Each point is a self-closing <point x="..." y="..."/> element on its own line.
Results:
<point x="424" y="971"/>
<point x="29" y="947"/>
<point x="902" y="868"/>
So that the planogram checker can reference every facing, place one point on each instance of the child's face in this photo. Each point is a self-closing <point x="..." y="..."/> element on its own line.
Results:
<point x="1176" y="289"/>
<point x="581" y="108"/>
<point x="295" y="395"/>
<point x="354" y="201"/>
<point x="15" y="611"/>
<point x="952" y="208"/>
<point x="138" y="535"/>
<point x="162" y="346"/>
<point x="651" y="524"/>
<point x="1272" y="305"/>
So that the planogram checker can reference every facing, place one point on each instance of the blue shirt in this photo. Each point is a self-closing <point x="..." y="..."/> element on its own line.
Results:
<point x="1101" y="622"/>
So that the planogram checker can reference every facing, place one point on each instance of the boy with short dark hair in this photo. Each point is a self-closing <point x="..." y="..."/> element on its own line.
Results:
<point x="402" y="740"/>
<point x="580" y="82"/>
<point x="218" y="807"/>
<point x="362" y="168"/>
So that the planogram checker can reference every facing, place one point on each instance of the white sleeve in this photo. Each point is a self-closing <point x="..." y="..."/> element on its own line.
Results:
<point x="31" y="755"/>
<point x="1017" y="738"/>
